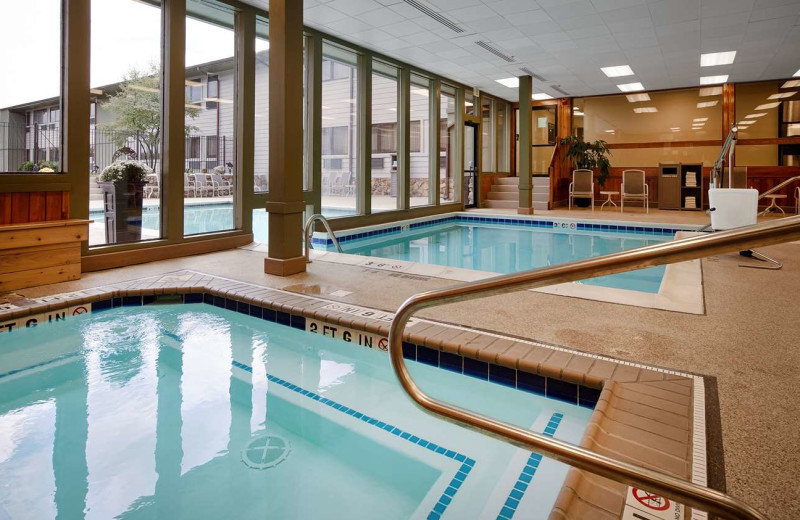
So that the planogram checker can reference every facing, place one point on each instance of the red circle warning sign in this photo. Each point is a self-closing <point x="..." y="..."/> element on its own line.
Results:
<point x="80" y="310"/>
<point x="651" y="500"/>
<point x="383" y="344"/>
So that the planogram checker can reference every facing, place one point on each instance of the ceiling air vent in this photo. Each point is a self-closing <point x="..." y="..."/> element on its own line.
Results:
<point x="529" y="72"/>
<point x="427" y="11"/>
<point x="494" y="50"/>
<point x="559" y="90"/>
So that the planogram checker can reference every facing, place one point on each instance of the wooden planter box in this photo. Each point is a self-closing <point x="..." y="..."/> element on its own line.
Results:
<point x="41" y="253"/>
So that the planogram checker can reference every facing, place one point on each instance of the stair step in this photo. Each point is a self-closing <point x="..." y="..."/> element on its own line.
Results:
<point x="507" y="180"/>
<point x="505" y="187"/>
<point x="539" y="205"/>
<point x="503" y="195"/>
<point x="507" y="204"/>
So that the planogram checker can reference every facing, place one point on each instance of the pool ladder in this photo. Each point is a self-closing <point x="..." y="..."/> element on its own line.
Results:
<point x="307" y="230"/>
<point x="687" y="493"/>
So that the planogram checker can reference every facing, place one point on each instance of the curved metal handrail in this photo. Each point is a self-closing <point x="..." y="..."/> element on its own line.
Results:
<point x="307" y="228"/>
<point x="779" y="186"/>
<point x="690" y="494"/>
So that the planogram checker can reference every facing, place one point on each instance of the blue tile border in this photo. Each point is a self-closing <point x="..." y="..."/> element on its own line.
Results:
<point x="526" y="475"/>
<point x="566" y="225"/>
<point x="455" y="483"/>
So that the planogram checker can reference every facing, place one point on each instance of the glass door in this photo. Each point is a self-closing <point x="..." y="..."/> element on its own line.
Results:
<point x="470" y="163"/>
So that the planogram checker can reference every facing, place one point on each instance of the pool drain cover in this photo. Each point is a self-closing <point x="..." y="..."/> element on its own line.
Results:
<point x="265" y="451"/>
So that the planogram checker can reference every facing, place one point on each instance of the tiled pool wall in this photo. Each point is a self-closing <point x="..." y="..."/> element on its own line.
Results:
<point x="553" y="224"/>
<point x="553" y="388"/>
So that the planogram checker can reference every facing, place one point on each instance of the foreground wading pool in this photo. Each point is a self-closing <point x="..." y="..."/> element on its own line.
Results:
<point x="192" y="411"/>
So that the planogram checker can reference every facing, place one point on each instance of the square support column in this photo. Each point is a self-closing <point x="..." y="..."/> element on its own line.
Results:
<point x="525" y="143"/>
<point x="286" y="204"/>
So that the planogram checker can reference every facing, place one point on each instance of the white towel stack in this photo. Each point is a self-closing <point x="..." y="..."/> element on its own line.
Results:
<point x="691" y="179"/>
<point x="690" y="203"/>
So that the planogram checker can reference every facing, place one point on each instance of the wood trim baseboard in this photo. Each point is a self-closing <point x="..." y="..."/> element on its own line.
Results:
<point x="104" y="261"/>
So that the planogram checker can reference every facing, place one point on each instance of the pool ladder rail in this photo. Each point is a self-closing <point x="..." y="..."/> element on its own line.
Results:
<point x="307" y="230"/>
<point x="687" y="493"/>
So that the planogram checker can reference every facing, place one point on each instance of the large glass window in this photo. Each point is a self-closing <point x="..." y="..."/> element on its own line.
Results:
<point x="126" y="133"/>
<point x="30" y="91"/>
<point x="421" y="174"/>
<point x="384" y="137"/>
<point x="340" y="175"/>
<point x="503" y="132"/>
<point x="447" y="144"/>
<point x="261" y="152"/>
<point x="488" y="149"/>
<point x="210" y="173"/>
<point x="768" y="110"/>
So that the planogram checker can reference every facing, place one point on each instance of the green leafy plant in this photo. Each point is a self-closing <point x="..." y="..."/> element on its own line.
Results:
<point x="586" y="155"/>
<point x="41" y="166"/>
<point x="127" y="170"/>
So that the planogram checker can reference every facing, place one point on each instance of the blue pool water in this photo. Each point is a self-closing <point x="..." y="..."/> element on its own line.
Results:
<point x="509" y="248"/>
<point x="172" y="412"/>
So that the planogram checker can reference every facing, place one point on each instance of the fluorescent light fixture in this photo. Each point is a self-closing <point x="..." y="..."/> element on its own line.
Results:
<point x="710" y="91"/>
<point x="700" y="119"/>
<point x="791" y="83"/>
<point x="610" y="131"/>
<point x="676" y="129"/>
<point x="645" y="110"/>
<point x="698" y="125"/>
<point x="635" y="98"/>
<point x="707" y="104"/>
<point x="575" y="108"/>
<point x="746" y="122"/>
<point x="782" y="95"/>
<point x="578" y="113"/>
<point x="712" y="59"/>
<point x="509" y="82"/>
<point x="753" y="116"/>
<point x="541" y="96"/>
<point x="710" y="80"/>
<point x="617" y="71"/>
<point x="630" y="87"/>
<point x="768" y="106"/>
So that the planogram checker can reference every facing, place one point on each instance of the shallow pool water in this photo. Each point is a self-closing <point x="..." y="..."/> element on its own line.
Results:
<point x="191" y="411"/>
<point x="509" y="248"/>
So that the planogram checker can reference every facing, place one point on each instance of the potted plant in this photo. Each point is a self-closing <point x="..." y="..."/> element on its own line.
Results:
<point x="590" y="156"/>
<point x="123" y="184"/>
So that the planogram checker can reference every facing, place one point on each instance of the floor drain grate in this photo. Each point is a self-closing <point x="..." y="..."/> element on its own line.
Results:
<point x="265" y="451"/>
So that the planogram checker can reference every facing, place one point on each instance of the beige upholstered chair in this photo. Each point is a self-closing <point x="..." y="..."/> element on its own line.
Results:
<point x="634" y="188"/>
<point x="582" y="186"/>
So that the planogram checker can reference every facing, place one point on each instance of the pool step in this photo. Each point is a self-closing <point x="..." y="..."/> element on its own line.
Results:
<point x="504" y="193"/>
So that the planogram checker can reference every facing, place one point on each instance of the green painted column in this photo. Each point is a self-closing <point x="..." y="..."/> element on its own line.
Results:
<point x="525" y="143"/>
<point x="286" y="205"/>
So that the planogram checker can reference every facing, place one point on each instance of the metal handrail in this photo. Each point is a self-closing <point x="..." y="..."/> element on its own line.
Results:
<point x="690" y="494"/>
<point x="307" y="228"/>
<point x="779" y="186"/>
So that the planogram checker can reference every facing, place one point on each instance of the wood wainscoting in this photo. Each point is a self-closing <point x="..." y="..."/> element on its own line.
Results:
<point x="34" y="206"/>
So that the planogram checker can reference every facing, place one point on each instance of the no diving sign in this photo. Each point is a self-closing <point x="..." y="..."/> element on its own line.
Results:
<point x="644" y="505"/>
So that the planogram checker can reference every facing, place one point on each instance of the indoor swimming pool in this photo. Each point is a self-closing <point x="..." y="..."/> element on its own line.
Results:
<point x="507" y="245"/>
<point x="189" y="411"/>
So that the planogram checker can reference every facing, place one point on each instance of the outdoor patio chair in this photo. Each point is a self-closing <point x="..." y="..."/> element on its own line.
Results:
<point x="582" y="186"/>
<point x="634" y="188"/>
<point x="203" y="185"/>
<point x="151" y="188"/>
<point x="326" y="184"/>
<point x="350" y="187"/>
<point x="222" y="186"/>
<point x="188" y="186"/>
<point x="336" y="186"/>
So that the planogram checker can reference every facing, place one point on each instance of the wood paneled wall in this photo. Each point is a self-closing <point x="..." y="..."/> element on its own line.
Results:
<point x="35" y="206"/>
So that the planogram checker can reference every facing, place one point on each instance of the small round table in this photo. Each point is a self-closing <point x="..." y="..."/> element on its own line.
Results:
<point x="609" y="193"/>
<point x="772" y="205"/>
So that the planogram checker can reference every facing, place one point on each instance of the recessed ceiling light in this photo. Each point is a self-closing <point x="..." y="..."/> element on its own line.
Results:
<point x="782" y="95"/>
<point x="645" y="110"/>
<point x="706" y="104"/>
<point x="713" y="59"/>
<point x="630" y="87"/>
<point x="617" y="71"/>
<point x="710" y="91"/>
<point x="635" y="98"/>
<point x="509" y="82"/>
<point x="698" y="124"/>
<point x="753" y="116"/>
<point x="700" y="119"/>
<point x="710" y="80"/>
<point x="791" y="83"/>
<point x="768" y="106"/>
<point x="541" y="96"/>
<point x="746" y="122"/>
<point x="676" y="129"/>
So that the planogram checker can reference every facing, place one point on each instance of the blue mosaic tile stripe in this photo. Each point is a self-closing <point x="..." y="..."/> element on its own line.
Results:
<point x="527" y="473"/>
<point x="455" y="483"/>
<point x="538" y="223"/>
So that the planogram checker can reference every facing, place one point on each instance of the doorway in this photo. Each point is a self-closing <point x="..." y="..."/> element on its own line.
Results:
<point x="470" y="164"/>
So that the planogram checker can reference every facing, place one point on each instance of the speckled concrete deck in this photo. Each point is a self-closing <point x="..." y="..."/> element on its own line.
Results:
<point x="747" y="340"/>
